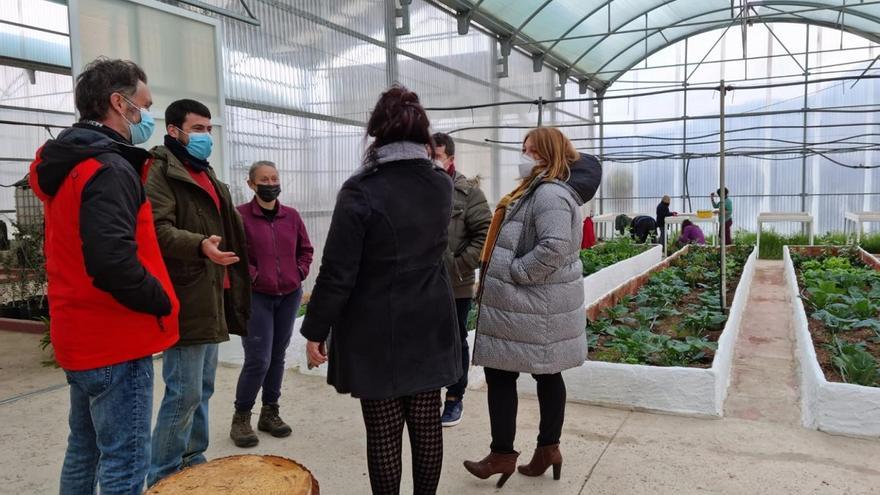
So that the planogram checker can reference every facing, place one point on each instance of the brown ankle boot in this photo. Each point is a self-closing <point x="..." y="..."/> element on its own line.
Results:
<point x="241" y="432"/>
<point x="543" y="458"/>
<point x="271" y="422"/>
<point x="493" y="463"/>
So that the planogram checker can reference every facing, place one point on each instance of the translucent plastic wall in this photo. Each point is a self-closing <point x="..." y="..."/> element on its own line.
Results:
<point x="299" y="89"/>
<point x="301" y="86"/>
<point x="30" y="98"/>
<point x="777" y="181"/>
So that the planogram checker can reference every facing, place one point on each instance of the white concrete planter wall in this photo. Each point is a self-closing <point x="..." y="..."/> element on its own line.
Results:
<point x="840" y="408"/>
<point x="595" y="286"/>
<point x="607" y="279"/>
<point x="677" y="390"/>
<point x="688" y="391"/>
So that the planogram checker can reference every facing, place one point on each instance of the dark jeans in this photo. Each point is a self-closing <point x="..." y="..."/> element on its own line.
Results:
<point x="269" y="331"/>
<point x="503" y="406"/>
<point x="462" y="308"/>
<point x="109" y="442"/>
<point x="728" y="240"/>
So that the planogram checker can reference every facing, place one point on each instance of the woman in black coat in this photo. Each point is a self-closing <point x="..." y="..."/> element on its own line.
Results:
<point x="383" y="296"/>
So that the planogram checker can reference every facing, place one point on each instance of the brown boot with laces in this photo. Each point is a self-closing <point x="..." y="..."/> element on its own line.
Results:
<point x="241" y="432"/>
<point x="271" y="422"/>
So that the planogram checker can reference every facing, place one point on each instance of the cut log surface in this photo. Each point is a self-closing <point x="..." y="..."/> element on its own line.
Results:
<point x="240" y="475"/>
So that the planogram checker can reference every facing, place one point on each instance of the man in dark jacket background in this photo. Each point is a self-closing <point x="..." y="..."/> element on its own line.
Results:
<point x="467" y="234"/>
<point x="111" y="299"/>
<point x="203" y="243"/>
<point x="662" y="214"/>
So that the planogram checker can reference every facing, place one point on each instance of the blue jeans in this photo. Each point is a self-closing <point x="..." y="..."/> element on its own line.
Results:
<point x="109" y="442"/>
<point x="180" y="438"/>
<point x="269" y="330"/>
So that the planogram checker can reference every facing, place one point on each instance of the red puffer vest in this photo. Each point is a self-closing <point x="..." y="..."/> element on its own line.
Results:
<point x="89" y="327"/>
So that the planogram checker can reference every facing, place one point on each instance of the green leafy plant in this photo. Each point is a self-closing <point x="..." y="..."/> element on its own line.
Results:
<point x="656" y="326"/>
<point x="46" y="343"/>
<point x="608" y="253"/>
<point x="854" y="363"/>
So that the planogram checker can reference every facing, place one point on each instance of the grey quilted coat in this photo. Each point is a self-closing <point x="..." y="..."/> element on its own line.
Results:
<point x="532" y="315"/>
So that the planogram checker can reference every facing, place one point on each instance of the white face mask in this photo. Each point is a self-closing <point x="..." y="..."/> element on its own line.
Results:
<point x="526" y="164"/>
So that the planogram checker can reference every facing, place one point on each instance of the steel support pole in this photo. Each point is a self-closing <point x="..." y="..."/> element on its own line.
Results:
<point x="601" y="114"/>
<point x="803" y="153"/>
<point x="391" y="71"/>
<point x="540" y="111"/>
<point x="684" y="133"/>
<point x="723" y="210"/>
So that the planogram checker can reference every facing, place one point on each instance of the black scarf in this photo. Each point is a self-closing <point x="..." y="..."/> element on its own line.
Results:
<point x="179" y="150"/>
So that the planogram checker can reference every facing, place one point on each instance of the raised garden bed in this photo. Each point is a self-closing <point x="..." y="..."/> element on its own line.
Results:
<point x="836" y="308"/>
<point x="698" y="389"/>
<point x="612" y="263"/>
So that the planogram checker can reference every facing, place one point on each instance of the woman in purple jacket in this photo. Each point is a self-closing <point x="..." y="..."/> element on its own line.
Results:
<point x="690" y="234"/>
<point x="280" y="254"/>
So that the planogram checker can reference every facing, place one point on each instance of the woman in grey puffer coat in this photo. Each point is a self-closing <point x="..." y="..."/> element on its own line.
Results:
<point x="532" y="315"/>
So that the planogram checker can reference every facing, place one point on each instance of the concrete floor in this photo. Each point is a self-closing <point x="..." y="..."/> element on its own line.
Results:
<point x="759" y="448"/>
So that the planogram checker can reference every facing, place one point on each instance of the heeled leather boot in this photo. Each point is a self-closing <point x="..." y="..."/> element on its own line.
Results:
<point x="543" y="458"/>
<point x="504" y="464"/>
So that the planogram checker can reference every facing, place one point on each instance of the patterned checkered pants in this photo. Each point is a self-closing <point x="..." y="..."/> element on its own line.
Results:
<point x="384" y="420"/>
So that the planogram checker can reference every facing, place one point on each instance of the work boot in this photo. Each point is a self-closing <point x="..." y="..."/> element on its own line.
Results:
<point x="494" y="463"/>
<point x="272" y="423"/>
<point x="241" y="432"/>
<point x="543" y="458"/>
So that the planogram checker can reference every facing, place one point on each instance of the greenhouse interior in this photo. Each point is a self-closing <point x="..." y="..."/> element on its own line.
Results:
<point x="666" y="211"/>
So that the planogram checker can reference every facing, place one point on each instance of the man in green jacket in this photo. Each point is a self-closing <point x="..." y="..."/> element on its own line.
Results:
<point x="467" y="234"/>
<point x="203" y="243"/>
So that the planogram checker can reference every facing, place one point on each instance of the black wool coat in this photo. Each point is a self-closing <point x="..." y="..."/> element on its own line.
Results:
<point x="382" y="293"/>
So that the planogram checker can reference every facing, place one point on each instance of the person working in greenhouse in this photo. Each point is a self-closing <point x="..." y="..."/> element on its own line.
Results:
<point x="279" y="256"/>
<point x="467" y="233"/>
<point x="690" y="234"/>
<point x="532" y="296"/>
<point x="640" y="228"/>
<point x="203" y="243"/>
<point x="385" y="292"/>
<point x="111" y="300"/>
<point x="728" y="213"/>
<point x="662" y="213"/>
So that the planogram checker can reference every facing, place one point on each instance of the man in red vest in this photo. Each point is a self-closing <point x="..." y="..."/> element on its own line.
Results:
<point x="111" y="301"/>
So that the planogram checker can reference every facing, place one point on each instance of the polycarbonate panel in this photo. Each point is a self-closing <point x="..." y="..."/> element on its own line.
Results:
<point x="49" y="92"/>
<point x="177" y="51"/>
<point x="435" y="37"/>
<point x="33" y="44"/>
<point x="297" y="63"/>
<point x="772" y="181"/>
<point x="610" y="37"/>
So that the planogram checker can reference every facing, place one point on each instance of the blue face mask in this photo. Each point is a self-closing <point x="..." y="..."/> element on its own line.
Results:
<point x="200" y="145"/>
<point x="141" y="131"/>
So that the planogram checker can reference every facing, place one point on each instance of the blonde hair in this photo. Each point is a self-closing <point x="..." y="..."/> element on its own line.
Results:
<point x="555" y="153"/>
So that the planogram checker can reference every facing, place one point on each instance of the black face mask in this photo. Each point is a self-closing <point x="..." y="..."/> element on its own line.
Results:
<point x="268" y="193"/>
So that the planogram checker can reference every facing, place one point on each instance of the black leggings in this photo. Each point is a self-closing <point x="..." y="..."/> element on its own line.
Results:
<point x="384" y="420"/>
<point x="503" y="405"/>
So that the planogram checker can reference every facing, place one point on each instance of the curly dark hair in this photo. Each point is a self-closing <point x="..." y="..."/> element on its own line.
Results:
<point x="101" y="78"/>
<point x="398" y="116"/>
